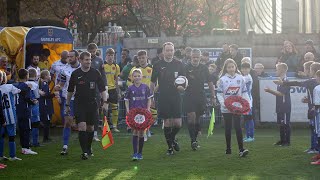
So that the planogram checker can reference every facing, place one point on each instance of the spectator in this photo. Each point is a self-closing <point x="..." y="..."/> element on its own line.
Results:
<point x="187" y="57"/>
<point x="235" y="54"/>
<point x="289" y="56"/>
<point x="44" y="63"/>
<point x="5" y="67"/>
<point x="259" y="69"/>
<point x="126" y="70"/>
<point x="178" y="55"/>
<point x="125" y="58"/>
<point x="309" y="56"/>
<point x="225" y="54"/>
<point x="158" y="57"/>
<point x="205" y="59"/>
<point x="213" y="74"/>
<point x="309" y="47"/>
<point x="35" y="64"/>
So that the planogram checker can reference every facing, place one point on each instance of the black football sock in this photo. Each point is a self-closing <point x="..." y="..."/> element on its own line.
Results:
<point x="83" y="139"/>
<point x="89" y="140"/>
<point x="167" y="135"/>
<point x="192" y="131"/>
<point x="197" y="129"/>
<point x="282" y="134"/>
<point x="174" y="132"/>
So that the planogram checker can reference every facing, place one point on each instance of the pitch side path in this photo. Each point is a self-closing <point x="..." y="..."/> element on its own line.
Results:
<point x="265" y="161"/>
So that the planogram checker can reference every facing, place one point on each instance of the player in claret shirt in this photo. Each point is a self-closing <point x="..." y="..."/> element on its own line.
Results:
<point x="231" y="83"/>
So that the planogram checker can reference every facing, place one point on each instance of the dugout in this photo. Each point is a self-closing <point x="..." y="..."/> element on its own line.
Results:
<point x="56" y="40"/>
<point x="19" y="43"/>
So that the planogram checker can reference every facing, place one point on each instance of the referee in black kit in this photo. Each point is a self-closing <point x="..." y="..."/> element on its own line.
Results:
<point x="84" y="82"/>
<point x="165" y="73"/>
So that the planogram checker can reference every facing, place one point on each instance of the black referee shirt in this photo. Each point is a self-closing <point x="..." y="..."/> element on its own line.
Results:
<point x="197" y="76"/>
<point x="85" y="83"/>
<point x="166" y="73"/>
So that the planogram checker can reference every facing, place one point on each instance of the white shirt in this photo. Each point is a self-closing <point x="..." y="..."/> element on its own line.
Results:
<point x="316" y="95"/>
<point x="34" y="88"/>
<point x="56" y="69"/>
<point x="248" y="81"/>
<point x="231" y="86"/>
<point x="37" y="69"/>
<point x="64" y="76"/>
<point x="7" y="97"/>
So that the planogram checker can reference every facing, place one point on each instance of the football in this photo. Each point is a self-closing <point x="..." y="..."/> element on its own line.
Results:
<point x="181" y="82"/>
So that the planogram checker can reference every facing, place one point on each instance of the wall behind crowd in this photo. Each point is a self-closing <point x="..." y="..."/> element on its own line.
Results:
<point x="265" y="48"/>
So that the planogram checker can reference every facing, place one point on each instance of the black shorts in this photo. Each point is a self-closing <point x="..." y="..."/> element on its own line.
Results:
<point x="113" y="96"/>
<point x="194" y="103"/>
<point x="169" y="105"/>
<point x="85" y="112"/>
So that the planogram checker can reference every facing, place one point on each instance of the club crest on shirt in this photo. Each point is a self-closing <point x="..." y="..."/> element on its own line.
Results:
<point x="232" y="91"/>
<point x="149" y="70"/>
<point x="238" y="81"/>
<point x="92" y="85"/>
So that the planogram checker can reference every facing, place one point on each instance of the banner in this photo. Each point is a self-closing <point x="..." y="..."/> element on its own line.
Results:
<point x="215" y="52"/>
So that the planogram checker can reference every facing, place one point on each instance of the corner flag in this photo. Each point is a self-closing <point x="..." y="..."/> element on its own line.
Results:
<point x="211" y="124"/>
<point x="107" y="139"/>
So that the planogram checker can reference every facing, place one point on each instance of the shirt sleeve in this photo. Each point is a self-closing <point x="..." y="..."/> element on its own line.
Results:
<point x="117" y="71"/>
<point x="207" y="75"/>
<point x="243" y="86"/>
<point x="72" y="82"/>
<point x="127" y="96"/>
<point x="52" y="70"/>
<point x="100" y="83"/>
<point x="15" y="90"/>
<point x="155" y="74"/>
<point x="62" y="77"/>
<point x="103" y="74"/>
<point x="316" y="97"/>
<point x="148" y="93"/>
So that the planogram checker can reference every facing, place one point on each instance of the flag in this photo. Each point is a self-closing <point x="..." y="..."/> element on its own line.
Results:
<point x="211" y="124"/>
<point x="107" y="139"/>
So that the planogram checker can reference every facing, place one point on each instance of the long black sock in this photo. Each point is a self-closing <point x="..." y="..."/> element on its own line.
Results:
<point x="197" y="129"/>
<point x="288" y="133"/>
<point x="192" y="131"/>
<point x="83" y="139"/>
<point x="89" y="141"/>
<point x="174" y="132"/>
<point x="282" y="134"/>
<point x="141" y="142"/>
<point x="46" y="129"/>
<point x="167" y="135"/>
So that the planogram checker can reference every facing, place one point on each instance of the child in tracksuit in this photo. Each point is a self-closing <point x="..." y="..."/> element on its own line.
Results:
<point x="23" y="111"/>
<point x="283" y="105"/>
<point x="45" y="103"/>
<point x="35" y="112"/>
<point x="310" y="69"/>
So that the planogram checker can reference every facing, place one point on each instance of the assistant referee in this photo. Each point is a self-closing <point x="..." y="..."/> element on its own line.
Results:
<point x="84" y="82"/>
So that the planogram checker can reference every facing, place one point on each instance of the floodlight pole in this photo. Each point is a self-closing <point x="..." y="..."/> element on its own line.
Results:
<point x="242" y="4"/>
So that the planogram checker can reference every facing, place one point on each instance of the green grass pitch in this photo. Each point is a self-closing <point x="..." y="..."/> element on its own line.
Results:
<point x="265" y="161"/>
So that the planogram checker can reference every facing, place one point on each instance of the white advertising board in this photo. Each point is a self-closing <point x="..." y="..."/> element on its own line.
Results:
<point x="268" y="102"/>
